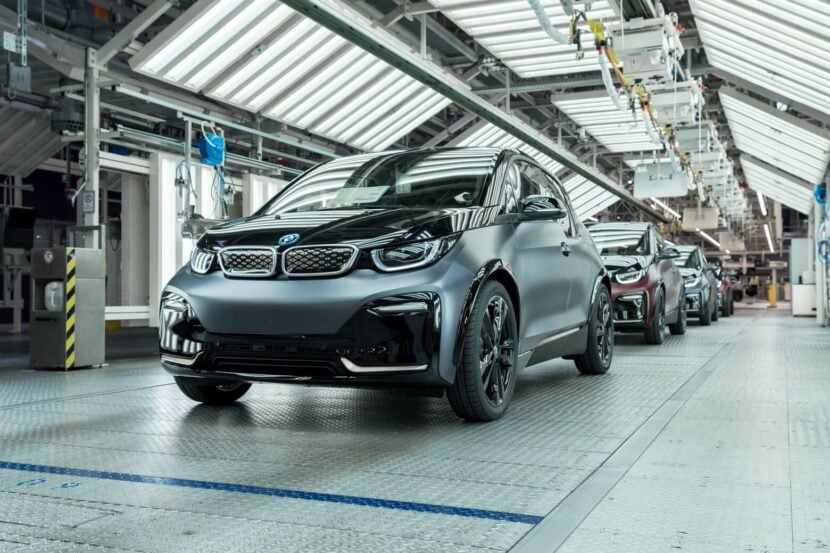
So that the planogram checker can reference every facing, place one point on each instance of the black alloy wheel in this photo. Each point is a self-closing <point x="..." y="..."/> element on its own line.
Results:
<point x="599" y="350"/>
<point x="484" y="384"/>
<point x="655" y="334"/>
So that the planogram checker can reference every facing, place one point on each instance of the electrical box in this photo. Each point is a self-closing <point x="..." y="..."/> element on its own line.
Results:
<point x="18" y="77"/>
<point x="647" y="48"/>
<point x="699" y="218"/>
<point x="708" y="161"/>
<point x="696" y="137"/>
<point x="68" y="299"/>
<point x="729" y="241"/>
<point x="660" y="180"/>
<point x="677" y="103"/>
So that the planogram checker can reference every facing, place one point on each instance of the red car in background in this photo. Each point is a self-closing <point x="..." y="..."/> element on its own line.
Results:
<point x="646" y="286"/>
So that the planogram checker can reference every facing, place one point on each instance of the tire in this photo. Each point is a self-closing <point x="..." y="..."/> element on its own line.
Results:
<point x="485" y="381"/>
<point x="678" y="328"/>
<point x="705" y="316"/>
<point x="654" y="333"/>
<point x="726" y="309"/>
<point x="599" y="349"/>
<point x="715" y="311"/>
<point x="202" y="391"/>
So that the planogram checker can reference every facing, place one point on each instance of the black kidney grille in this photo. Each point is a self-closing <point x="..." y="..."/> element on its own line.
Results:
<point x="248" y="262"/>
<point x="318" y="260"/>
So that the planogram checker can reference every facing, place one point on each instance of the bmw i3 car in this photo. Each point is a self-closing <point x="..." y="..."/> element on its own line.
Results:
<point x="435" y="269"/>
<point x="647" y="288"/>
<point x="701" y="285"/>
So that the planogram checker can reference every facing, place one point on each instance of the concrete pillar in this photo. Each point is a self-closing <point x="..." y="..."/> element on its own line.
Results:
<point x="17" y="286"/>
<point x="135" y="239"/>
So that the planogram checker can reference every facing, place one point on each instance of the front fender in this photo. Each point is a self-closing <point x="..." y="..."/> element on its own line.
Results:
<point x="482" y="275"/>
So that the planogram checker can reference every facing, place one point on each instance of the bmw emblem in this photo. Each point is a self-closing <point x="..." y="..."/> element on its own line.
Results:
<point x="288" y="239"/>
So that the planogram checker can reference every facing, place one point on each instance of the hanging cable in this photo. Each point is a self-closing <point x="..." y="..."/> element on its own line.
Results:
<point x="547" y="26"/>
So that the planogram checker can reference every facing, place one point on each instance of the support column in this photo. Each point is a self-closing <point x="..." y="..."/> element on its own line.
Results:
<point x="135" y="238"/>
<point x="17" y="261"/>
<point x="92" y="143"/>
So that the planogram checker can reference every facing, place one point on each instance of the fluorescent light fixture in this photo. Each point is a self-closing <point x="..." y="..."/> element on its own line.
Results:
<point x="619" y="131"/>
<point x="780" y="139"/>
<point x="769" y="238"/>
<point x="511" y="32"/>
<point x="266" y="58"/>
<point x="778" y="185"/>
<point x="666" y="208"/>
<point x="775" y="47"/>
<point x="727" y="252"/>
<point x="762" y="204"/>
<point x="708" y="238"/>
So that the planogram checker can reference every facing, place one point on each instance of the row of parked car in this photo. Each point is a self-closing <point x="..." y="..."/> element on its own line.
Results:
<point x="657" y="284"/>
<point x="440" y="271"/>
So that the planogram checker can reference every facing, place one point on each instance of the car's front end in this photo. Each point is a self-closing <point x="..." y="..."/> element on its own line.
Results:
<point x="697" y="292"/>
<point x="329" y="284"/>
<point x="632" y="291"/>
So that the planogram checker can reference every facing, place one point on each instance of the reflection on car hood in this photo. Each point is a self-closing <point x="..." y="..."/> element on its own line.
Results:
<point x="361" y="227"/>
<point x="615" y="263"/>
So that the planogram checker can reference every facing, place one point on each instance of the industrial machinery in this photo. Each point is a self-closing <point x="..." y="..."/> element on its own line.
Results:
<point x="67" y="308"/>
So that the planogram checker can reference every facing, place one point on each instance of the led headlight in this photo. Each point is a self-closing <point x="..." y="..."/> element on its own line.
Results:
<point x="201" y="261"/>
<point x="629" y="275"/>
<point x="412" y="255"/>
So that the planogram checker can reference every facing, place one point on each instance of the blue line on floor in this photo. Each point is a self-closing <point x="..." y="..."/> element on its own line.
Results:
<point x="278" y="492"/>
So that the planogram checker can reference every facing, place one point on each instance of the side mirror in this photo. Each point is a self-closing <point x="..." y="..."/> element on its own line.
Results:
<point x="669" y="253"/>
<point x="541" y="208"/>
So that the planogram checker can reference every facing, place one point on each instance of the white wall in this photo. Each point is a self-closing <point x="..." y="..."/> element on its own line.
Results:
<point x="256" y="190"/>
<point x="135" y="235"/>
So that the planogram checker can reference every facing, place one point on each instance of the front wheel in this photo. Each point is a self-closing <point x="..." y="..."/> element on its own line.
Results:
<point x="485" y="381"/>
<point x="705" y="316"/>
<point x="599" y="349"/>
<point x="678" y="328"/>
<point x="654" y="332"/>
<point x="211" y="393"/>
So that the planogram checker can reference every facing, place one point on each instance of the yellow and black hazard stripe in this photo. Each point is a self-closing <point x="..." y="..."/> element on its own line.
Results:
<point x="70" y="308"/>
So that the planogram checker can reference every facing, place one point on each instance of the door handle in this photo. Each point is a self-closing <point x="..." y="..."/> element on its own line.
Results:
<point x="566" y="249"/>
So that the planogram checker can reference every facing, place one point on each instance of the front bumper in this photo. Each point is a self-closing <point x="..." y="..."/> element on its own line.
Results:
<point x="694" y="302"/>
<point x="395" y="329"/>
<point x="630" y="309"/>
<point x="391" y="341"/>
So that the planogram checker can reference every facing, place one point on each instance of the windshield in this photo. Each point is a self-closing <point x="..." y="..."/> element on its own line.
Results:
<point x="418" y="179"/>
<point x="620" y="240"/>
<point x="687" y="259"/>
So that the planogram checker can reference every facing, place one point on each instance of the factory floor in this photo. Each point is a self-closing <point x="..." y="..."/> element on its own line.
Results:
<point x="717" y="441"/>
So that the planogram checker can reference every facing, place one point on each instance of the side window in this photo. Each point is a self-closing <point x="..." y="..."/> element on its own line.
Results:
<point x="533" y="181"/>
<point x="511" y="190"/>
<point x="658" y="242"/>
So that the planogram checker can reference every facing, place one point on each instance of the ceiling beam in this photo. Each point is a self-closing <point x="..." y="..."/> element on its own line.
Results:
<point x="339" y="17"/>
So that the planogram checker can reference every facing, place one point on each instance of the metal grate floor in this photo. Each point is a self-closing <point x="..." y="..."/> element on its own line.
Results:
<point x="116" y="459"/>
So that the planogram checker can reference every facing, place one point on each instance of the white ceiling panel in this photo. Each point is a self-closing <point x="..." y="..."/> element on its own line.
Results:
<point x="619" y="131"/>
<point x="488" y="135"/>
<point x="510" y="30"/>
<point x="777" y="185"/>
<point x="780" y="45"/>
<point x="264" y="57"/>
<point x="777" y="138"/>
<point x="587" y="199"/>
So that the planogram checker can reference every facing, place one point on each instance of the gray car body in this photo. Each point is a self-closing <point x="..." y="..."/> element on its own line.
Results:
<point x="550" y="270"/>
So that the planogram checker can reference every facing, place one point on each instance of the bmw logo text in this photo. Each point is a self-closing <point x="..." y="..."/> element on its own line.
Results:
<point x="288" y="239"/>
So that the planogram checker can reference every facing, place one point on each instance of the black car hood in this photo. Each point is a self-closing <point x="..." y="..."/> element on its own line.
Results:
<point x="616" y="263"/>
<point x="361" y="227"/>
